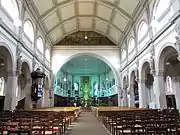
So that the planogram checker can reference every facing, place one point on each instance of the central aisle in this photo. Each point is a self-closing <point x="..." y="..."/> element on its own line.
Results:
<point x="87" y="124"/>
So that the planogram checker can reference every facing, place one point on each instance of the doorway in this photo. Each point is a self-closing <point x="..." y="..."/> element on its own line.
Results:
<point x="171" y="101"/>
<point x="2" y="98"/>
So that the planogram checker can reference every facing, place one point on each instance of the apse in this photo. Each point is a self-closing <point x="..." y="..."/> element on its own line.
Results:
<point x="86" y="79"/>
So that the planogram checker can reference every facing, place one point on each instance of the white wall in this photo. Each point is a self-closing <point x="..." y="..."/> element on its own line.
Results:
<point x="110" y="55"/>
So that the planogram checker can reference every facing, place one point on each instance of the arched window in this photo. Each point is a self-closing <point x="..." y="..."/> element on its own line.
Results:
<point x="40" y="45"/>
<point x="131" y="45"/>
<point x="161" y="8"/>
<point x="47" y="54"/>
<point x="123" y="55"/>
<point x="11" y="7"/>
<point x="2" y="83"/>
<point x="143" y="29"/>
<point x="169" y="85"/>
<point x="28" y="30"/>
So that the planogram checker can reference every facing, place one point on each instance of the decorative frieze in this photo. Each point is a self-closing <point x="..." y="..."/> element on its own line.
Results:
<point x="85" y="38"/>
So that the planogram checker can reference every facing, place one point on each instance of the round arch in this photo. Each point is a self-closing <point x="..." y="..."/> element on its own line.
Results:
<point x="6" y="70"/>
<point x="24" y="79"/>
<point x="26" y="68"/>
<point x="166" y="66"/>
<point x="23" y="91"/>
<point x="117" y="78"/>
<point x="125" y="81"/>
<point x="142" y="68"/>
<point x="164" y="54"/>
<point x="133" y="89"/>
<point x="27" y="64"/>
<point x="7" y="56"/>
<point x="145" y="66"/>
<point x="132" y="77"/>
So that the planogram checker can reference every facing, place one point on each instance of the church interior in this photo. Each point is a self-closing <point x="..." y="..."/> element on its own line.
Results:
<point x="102" y="67"/>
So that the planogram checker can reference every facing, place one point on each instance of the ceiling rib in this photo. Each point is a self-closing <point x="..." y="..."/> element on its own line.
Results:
<point x="118" y="8"/>
<point x="112" y="16"/>
<point x="53" y="9"/>
<point x="114" y="6"/>
<point x="74" y="17"/>
<point x="33" y="9"/>
<point x="43" y="16"/>
<point x="138" y="11"/>
<point x="94" y="14"/>
<point x="55" y="2"/>
<point x="76" y="14"/>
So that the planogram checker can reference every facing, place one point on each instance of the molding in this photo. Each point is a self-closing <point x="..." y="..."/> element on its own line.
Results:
<point x="6" y="29"/>
<point x="93" y="38"/>
<point x="98" y="47"/>
<point x="153" y="40"/>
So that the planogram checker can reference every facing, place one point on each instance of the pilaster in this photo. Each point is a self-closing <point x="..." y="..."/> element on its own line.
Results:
<point x="142" y="95"/>
<point x="159" y="87"/>
<point x="131" y="96"/>
<point x="10" y="94"/>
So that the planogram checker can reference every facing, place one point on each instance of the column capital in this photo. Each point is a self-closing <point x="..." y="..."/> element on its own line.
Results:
<point x="159" y="73"/>
<point x="11" y="72"/>
<point x="141" y="80"/>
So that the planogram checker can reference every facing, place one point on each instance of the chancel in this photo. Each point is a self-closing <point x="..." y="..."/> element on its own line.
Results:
<point x="90" y="67"/>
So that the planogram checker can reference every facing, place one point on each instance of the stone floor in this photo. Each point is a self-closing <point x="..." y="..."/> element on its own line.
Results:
<point x="87" y="124"/>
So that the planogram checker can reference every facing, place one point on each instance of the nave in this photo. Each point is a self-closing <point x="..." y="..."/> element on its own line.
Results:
<point x="87" y="124"/>
<point x="97" y="121"/>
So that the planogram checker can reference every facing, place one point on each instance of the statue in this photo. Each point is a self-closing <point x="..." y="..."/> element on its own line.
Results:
<point x="151" y="61"/>
<point x="136" y="74"/>
<point x="19" y="63"/>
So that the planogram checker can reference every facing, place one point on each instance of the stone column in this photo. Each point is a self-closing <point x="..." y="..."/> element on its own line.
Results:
<point x="10" y="95"/>
<point x="176" y="86"/>
<point x="159" y="87"/>
<point x="125" y="103"/>
<point x="52" y="87"/>
<point x="142" y="95"/>
<point x="132" y="98"/>
<point x="119" y="98"/>
<point x="119" y="89"/>
<point x="28" y="100"/>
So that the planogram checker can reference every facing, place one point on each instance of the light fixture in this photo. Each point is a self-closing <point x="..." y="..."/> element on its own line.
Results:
<point x="106" y="73"/>
<point x="65" y="75"/>
<point x="65" y="79"/>
<point x="167" y="63"/>
<point x="85" y="37"/>
<point x="17" y="22"/>
<point x="2" y="64"/>
<point x="85" y="59"/>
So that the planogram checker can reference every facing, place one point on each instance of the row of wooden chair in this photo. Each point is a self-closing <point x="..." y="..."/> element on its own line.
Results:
<point x="141" y="122"/>
<point x="34" y="122"/>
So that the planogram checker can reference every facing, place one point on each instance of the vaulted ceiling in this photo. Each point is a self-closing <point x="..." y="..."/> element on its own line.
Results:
<point x="111" y="18"/>
<point x="85" y="65"/>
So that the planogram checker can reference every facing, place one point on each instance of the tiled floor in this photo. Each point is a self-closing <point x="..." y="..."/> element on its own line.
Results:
<point x="87" y="124"/>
